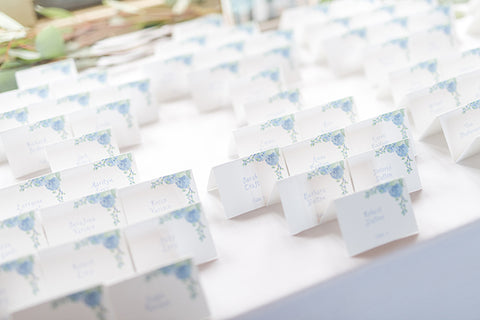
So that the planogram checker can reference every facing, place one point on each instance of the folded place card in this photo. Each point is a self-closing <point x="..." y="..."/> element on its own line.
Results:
<point x="9" y="120"/>
<point x="81" y="150"/>
<point x="101" y="258"/>
<point x="307" y="197"/>
<point x="376" y="132"/>
<point x="247" y="184"/>
<point x="142" y="100"/>
<point x="80" y="218"/>
<point x="14" y="99"/>
<point x="46" y="73"/>
<point x="21" y="235"/>
<point x="310" y="154"/>
<point x="170" y="292"/>
<point x="395" y="160"/>
<point x="25" y="146"/>
<point x="375" y="216"/>
<point x="117" y="115"/>
<point x="151" y="198"/>
<point x="86" y="304"/>
<point x="426" y="105"/>
<point x="461" y="128"/>
<point x="172" y="235"/>
<point x="21" y="284"/>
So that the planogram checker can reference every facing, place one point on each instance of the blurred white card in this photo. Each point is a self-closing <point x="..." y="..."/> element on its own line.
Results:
<point x="46" y="73"/>
<point x="172" y="235"/>
<point x="395" y="160"/>
<point x="247" y="184"/>
<point x="83" y="217"/>
<point x="81" y="150"/>
<point x="169" y="292"/>
<point x="158" y="196"/>
<point x="15" y="99"/>
<point x="307" y="197"/>
<point x="101" y="258"/>
<point x="142" y="100"/>
<point x="375" y="216"/>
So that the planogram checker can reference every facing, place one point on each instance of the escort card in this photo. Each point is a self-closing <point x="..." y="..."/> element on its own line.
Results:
<point x="375" y="216"/>
<point x="307" y="197"/>
<point x="159" y="196"/>
<point x="21" y="235"/>
<point x="172" y="235"/>
<point x="21" y="284"/>
<point x="427" y="104"/>
<point x="170" y="292"/>
<point x="310" y="154"/>
<point x="25" y="146"/>
<point x="461" y="128"/>
<point x="102" y="258"/>
<point x="247" y="184"/>
<point x="46" y="73"/>
<point x="376" y="132"/>
<point x="87" y="304"/>
<point x="80" y="218"/>
<point x="395" y="160"/>
<point x="82" y="150"/>
<point x="117" y="115"/>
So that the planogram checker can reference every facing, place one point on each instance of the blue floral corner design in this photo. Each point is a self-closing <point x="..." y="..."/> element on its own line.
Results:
<point x="200" y="40"/>
<point x="428" y="65"/>
<point x="237" y="46"/>
<point x="336" y="137"/>
<point x="293" y="96"/>
<point x="400" y="148"/>
<point x="272" y="74"/>
<point x="182" y="271"/>
<point x="25" y="268"/>
<point x="91" y="298"/>
<point x="142" y="86"/>
<point x="103" y="138"/>
<point x="26" y="223"/>
<point x="445" y="29"/>
<point x="191" y="214"/>
<point x="61" y="66"/>
<point x="82" y="99"/>
<point x="345" y="104"/>
<point x="19" y="115"/>
<point x="270" y="157"/>
<point x="99" y="76"/>
<point x="40" y="91"/>
<point x="232" y="67"/>
<point x="394" y="189"/>
<point x="397" y="118"/>
<point x="451" y="86"/>
<point x="122" y="107"/>
<point x="123" y="162"/>
<point x="401" y="21"/>
<point x="336" y="172"/>
<point x="57" y="124"/>
<point x="285" y="52"/>
<point x="106" y="199"/>
<point x="185" y="59"/>
<point x="183" y="180"/>
<point x="360" y="33"/>
<point x="472" y="52"/>
<point x="109" y="240"/>
<point x="402" y="43"/>
<point x="286" y="34"/>
<point x="51" y="182"/>
<point x="475" y="105"/>
<point x="287" y="123"/>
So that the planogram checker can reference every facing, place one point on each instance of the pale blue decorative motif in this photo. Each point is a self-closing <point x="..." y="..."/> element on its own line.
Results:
<point x="123" y="162"/>
<point x="428" y="65"/>
<point x="41" y="91"/>
<point x="402" y="21"/>
<point x="103" y="138"/>
<point x="91" y="298"/>
<point x="191" y="214"/>
<point x="388" y="9"/>
<point x="82" y="99"/>
<point x="26" y="223"/>
<point x="23" y="267"/>
<point x="106" y="199"/>
<point x="182" y="271"/>
<point x="287" y="34"/>
<point x="473" y="52"/>
<point x="475" y="105"/>
<point x="19" y="115"/>
<point x="445" y="29"/>
<point x="345" y="104"/>
<point x="216" y="21"/>
<point x="228" y="66"/>
<point x="343" y="21"/>
<point x="291" y="95"/>
<point x="287" y="123"/>
<point x="394" y="189"/>
<point x="283" y="51"/>
<point x="397" y="118"/>
<point x="443" y="9"/>
<point x="361" y="33"/>
<point x="322" y="7"/>
<point x="183" y="181"/>
<point x="143" y="86"/>
<point x="335" y="170"/>
<point x="122" y="107"/>
<point x="200" y="40"/>
<point x="99" y="76"/>
<point x="57" y="124"/>
<point x="186" y="59"/>
<point x="51" y="182"/>
<point x="337" y="138"/>
<point x="270" y="157"/>
<point x="451" y="86"/>
<point x="62" y="66"/>
<point x="247" y="28"/>
<point x="400" y="148"/>
<point x="402" y="43"/>
<point x="237" y="46"/>
<point x="272" y="74"/>
<point x="109" y="240"/>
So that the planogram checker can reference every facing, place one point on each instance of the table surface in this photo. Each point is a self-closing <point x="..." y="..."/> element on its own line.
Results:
<point x="258" y="260"/>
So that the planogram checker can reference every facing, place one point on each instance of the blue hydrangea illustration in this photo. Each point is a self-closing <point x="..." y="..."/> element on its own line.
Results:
<point x="337" y="138"/>
<point x="475" y="105"/>
<point x="142" y="86"/>
<point x="183" y="181"/>
<point x="109" y="240"/>
<point x="122" y="107"/>
<point x="40" y="91"/>
<point x="19" y="115"/>
<point x="123" y="162"/>
<point x="361" y="33"/>
<point x="106" y="199"/>
<point x="272" y="74"/>
<point x="293" y="96"/>
<point x="25" y="268"/>
<point x="237" y="46"/>
<point x="397" y="118"/>
<point x="51" y="182"/>
<point x="287" y="123"/>
<point x="92" y="298"/>
<point x="401" y="149"/>
<point x="57" y="124"/>
<point x="450" y="86"/>
<point x="284" y="52"/>
<point x="428" y="65"/>
<point x="394" y="189"/>
<point x="345" y="104"/>
<point x="271" y="157"/>
<point x="229" y="66"/>
<point x="98" y="75"/>
<point x="181" y="271"/>
<point x="83" y="99"/>
<point x="185" y="59"/>
<point x="335" y="170"/>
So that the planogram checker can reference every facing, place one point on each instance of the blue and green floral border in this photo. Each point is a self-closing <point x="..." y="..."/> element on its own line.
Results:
<point x="191" y="214"/>
<point x="24" y="267"/>
<point x="57" y="124"/>
<point x="182" y="271"/>
<point x="92" y="298"/>
<point x="475" y="105"/>
<point x="103" y="137"/>
<point x="26" y="223"/>
<point x="401" y="149"/>
<point x="335" y="170"/>
<point x="287" y="123"/>
<point x="270" y="157"/>
<point x="109" y="240"/>
<point x="450" y="85"/>
<point x="123" y="162"/>
<point x="344" y="104"/>
<point x="106" y="199"/>
<point x="337" y="138"/>
<point x="394" y="189"/>
<point x="183" y="180"/>
<point x="122" y="107"/>
<point x="51" y="182"/>
<point x="20" y="115"/>
<point x="397" y="118"/>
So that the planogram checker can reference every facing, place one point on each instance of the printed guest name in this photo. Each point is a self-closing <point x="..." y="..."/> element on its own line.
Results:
<point x="373" y="216"/>
<point x="314" y="196"/>
<point x="6" y="251"/>
<point x="251" y="183"/>
<point x="383" y="173"/>
<point x="155" y="302"/>
<point x="36" y="145"/>
<point x="102" y="185"/>
<point x="29" y="205"/>
<point x="84" y="269"/>
<point x="82" y="225"/>
<point x="159" y="206"/>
